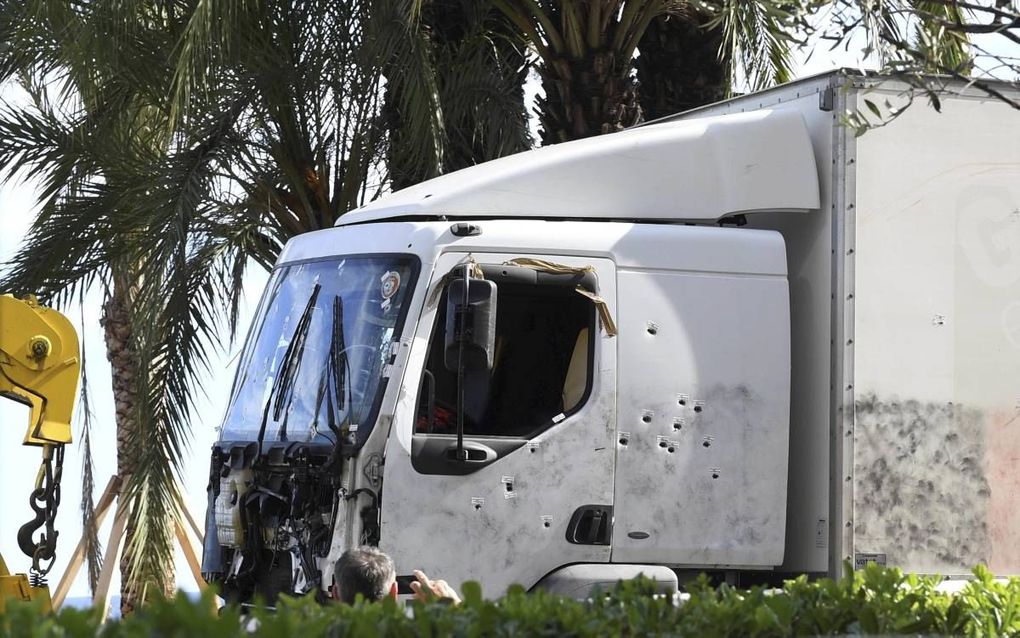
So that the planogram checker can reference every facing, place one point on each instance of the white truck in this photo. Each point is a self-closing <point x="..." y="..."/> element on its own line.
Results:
<point x="740" y="341"/>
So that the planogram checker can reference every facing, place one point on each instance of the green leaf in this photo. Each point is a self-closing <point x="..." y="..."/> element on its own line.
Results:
<point x="472" y="594"/>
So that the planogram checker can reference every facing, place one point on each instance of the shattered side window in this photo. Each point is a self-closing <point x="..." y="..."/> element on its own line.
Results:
<point x="542" y="368"/>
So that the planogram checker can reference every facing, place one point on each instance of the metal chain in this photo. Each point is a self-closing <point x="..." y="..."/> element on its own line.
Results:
<point x="44" y="500"/>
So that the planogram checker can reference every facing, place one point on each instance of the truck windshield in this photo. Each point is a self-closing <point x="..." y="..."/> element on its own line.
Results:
<point x="313" y="365"/>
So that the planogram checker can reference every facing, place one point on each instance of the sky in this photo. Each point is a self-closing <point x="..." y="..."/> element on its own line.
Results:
<point x="18" y="465"/>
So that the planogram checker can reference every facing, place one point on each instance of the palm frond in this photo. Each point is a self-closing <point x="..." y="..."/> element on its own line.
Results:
<point x="477" y="60"/>
<point x="757" y="38"/>
<point x="413" y="107"/>
<point x="90" y="533"/>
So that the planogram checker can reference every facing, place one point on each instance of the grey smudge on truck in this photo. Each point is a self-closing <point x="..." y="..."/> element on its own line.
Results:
<point x="920" y="491"/>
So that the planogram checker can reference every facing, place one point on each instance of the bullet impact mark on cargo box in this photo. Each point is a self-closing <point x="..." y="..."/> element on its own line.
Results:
<point x="653" y="328"/>
<point x="646" y="416"/>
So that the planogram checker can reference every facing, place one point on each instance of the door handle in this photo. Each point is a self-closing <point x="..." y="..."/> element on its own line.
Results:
<point x="476" y="453"/>
<point x="591" y="525"/>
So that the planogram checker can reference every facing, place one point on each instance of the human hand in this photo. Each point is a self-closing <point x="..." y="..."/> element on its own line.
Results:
<point x="425" y="589"/>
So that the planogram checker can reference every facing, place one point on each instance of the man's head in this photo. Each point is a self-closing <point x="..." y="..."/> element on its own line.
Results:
<point x="366" y="571"/>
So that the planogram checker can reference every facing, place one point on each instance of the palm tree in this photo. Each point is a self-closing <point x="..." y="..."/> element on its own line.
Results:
<point x="586" y="51"/>
<point x="587" y="56"/>
<point x="93" y="133"/>
<point x="463" y="65"/>
<point x="303" y="141"/>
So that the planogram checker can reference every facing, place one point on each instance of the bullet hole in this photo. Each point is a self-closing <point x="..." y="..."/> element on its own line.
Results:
<point x="646" y="417"/>
<point x="623" y="440"/>
<point x="697" y="408"/>
<point x="715" y="475"/>
<point x="533" y="450"/>
<point x="663" y="444"/>
<point x="653" y="329"/>
<point x="707" y="443"/>
<point x="546" y="524"/>
<point x="509" y="486"/>
<point x="478" y="506"/>
<point x="671" y="449"/>
<point x="682" y="401"/>
<point x="678" y="425"/>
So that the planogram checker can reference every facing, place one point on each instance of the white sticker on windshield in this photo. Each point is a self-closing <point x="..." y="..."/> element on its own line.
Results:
<point x="390" y="284"/>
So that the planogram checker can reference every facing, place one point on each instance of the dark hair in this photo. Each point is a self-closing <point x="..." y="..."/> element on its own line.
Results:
<point x="366" y="571"/>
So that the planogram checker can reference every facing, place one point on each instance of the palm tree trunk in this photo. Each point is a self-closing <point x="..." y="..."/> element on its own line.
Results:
<point x="679" y="67"/>
<point x="587" y="96"/>
<point x="124" y="371"/>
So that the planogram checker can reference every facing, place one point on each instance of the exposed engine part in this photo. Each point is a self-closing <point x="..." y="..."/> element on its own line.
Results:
<point x="229" y="523"/>
<point x="273" y="516"/>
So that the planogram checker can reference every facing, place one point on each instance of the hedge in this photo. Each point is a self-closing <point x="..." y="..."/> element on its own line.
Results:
<point x="872" y="601"/>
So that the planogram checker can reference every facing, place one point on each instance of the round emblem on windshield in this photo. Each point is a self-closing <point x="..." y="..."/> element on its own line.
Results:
<point x="390" y="284"/>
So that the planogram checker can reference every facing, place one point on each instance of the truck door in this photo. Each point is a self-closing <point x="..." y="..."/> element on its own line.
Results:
<point x="536" y="491"/>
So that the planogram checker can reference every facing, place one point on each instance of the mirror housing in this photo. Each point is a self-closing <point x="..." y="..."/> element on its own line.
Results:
<point x="479" y="338"/>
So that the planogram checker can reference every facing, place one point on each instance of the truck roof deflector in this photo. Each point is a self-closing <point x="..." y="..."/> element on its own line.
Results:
<point x="691" y="170"/>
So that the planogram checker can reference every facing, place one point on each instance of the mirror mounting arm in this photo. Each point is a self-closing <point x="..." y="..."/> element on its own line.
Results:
<point x="461" y="452"/>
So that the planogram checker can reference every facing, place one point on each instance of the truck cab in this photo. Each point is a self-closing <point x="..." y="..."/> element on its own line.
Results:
<point x="632" y="407"/>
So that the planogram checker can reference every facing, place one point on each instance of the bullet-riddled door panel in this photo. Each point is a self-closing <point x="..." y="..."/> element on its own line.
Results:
<point x="507" y="515"/>
<point x="703" y="418"/>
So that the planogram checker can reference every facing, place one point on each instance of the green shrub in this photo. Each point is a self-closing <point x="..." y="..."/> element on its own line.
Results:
<point x="872" y="601"/>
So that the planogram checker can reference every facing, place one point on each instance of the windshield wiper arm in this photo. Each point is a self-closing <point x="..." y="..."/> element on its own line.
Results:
<point x="284" y="380"/>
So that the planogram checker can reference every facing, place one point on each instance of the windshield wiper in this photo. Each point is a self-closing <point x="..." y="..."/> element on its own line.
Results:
<point x="338" y="357"/>
<point x="284" y="382"/>
<point x="336" y="369"/>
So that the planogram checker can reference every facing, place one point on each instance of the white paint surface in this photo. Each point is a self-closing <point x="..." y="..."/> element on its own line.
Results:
<point x="703" y="169"/>
<point x="937" y="362"/>
<point x="706" y="400"/>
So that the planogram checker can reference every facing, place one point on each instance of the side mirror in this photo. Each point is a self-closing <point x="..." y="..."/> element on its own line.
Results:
<point x="478" y="316"/>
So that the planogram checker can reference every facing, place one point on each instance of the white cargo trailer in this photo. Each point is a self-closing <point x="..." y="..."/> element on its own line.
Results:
<point x="740" y="340"/>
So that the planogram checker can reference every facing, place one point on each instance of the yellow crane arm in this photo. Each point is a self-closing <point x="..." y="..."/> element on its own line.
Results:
<point x="39" y="366"/>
